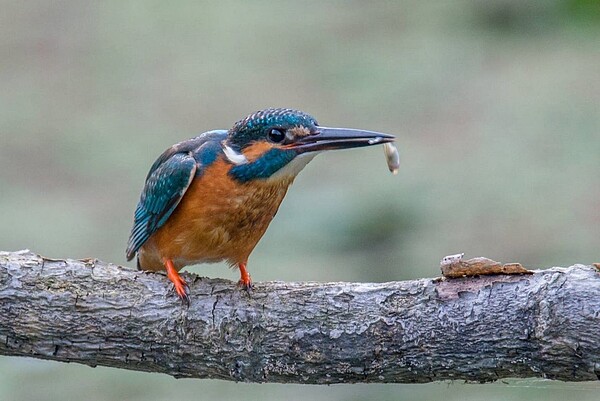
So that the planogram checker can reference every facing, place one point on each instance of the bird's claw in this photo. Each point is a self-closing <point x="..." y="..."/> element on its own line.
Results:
<point x="245" y="280"/>
<point x="246" y="285"/>
<point x="184" y="295"/>
<point x="182" y="290"/>
<point x="181" y="287"/>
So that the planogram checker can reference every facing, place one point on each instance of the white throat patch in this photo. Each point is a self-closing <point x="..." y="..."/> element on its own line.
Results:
<point x="233" y="156"/>
<point x="294" y="167"/>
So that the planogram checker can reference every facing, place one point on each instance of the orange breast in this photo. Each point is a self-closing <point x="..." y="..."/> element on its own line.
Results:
<point x="217" y="219"/>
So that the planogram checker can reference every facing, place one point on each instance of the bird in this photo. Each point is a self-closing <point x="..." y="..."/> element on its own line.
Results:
<point x="211" y="198"/>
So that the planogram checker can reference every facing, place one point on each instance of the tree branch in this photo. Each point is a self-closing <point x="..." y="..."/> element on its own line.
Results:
<point x="546" y="324"/>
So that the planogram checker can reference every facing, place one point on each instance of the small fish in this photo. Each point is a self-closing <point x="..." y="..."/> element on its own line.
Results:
<point x="392" y="157"/>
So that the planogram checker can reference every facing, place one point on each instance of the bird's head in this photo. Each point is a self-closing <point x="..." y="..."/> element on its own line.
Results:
<point x="278" y="143"/>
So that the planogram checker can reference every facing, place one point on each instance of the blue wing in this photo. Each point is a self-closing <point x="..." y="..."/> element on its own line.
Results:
<point x="167" y="181"/>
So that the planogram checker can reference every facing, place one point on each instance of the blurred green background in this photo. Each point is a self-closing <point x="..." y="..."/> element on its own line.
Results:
<point x="496" y="105"/>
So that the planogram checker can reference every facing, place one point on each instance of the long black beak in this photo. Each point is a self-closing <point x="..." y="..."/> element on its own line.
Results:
<point x="339" y="138"/>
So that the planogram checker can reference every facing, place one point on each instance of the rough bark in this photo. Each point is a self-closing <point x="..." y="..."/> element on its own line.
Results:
<point x="546" y="324"/>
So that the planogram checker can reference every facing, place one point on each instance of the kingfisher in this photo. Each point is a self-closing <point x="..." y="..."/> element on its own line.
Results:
<point x="212" y="197"/>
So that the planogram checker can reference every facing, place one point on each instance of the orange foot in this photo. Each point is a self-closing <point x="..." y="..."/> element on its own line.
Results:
<point x="245" y="280"/>
<point x="181" y="287"/>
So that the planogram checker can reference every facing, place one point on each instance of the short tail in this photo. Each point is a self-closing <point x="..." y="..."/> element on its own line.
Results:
<point x="130" y="251"/>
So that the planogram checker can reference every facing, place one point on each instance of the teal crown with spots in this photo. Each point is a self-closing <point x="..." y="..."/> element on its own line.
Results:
<point x="256" y="125"/>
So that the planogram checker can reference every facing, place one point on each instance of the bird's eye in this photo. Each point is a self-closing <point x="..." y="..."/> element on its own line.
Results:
<point x="276" y="135"/>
